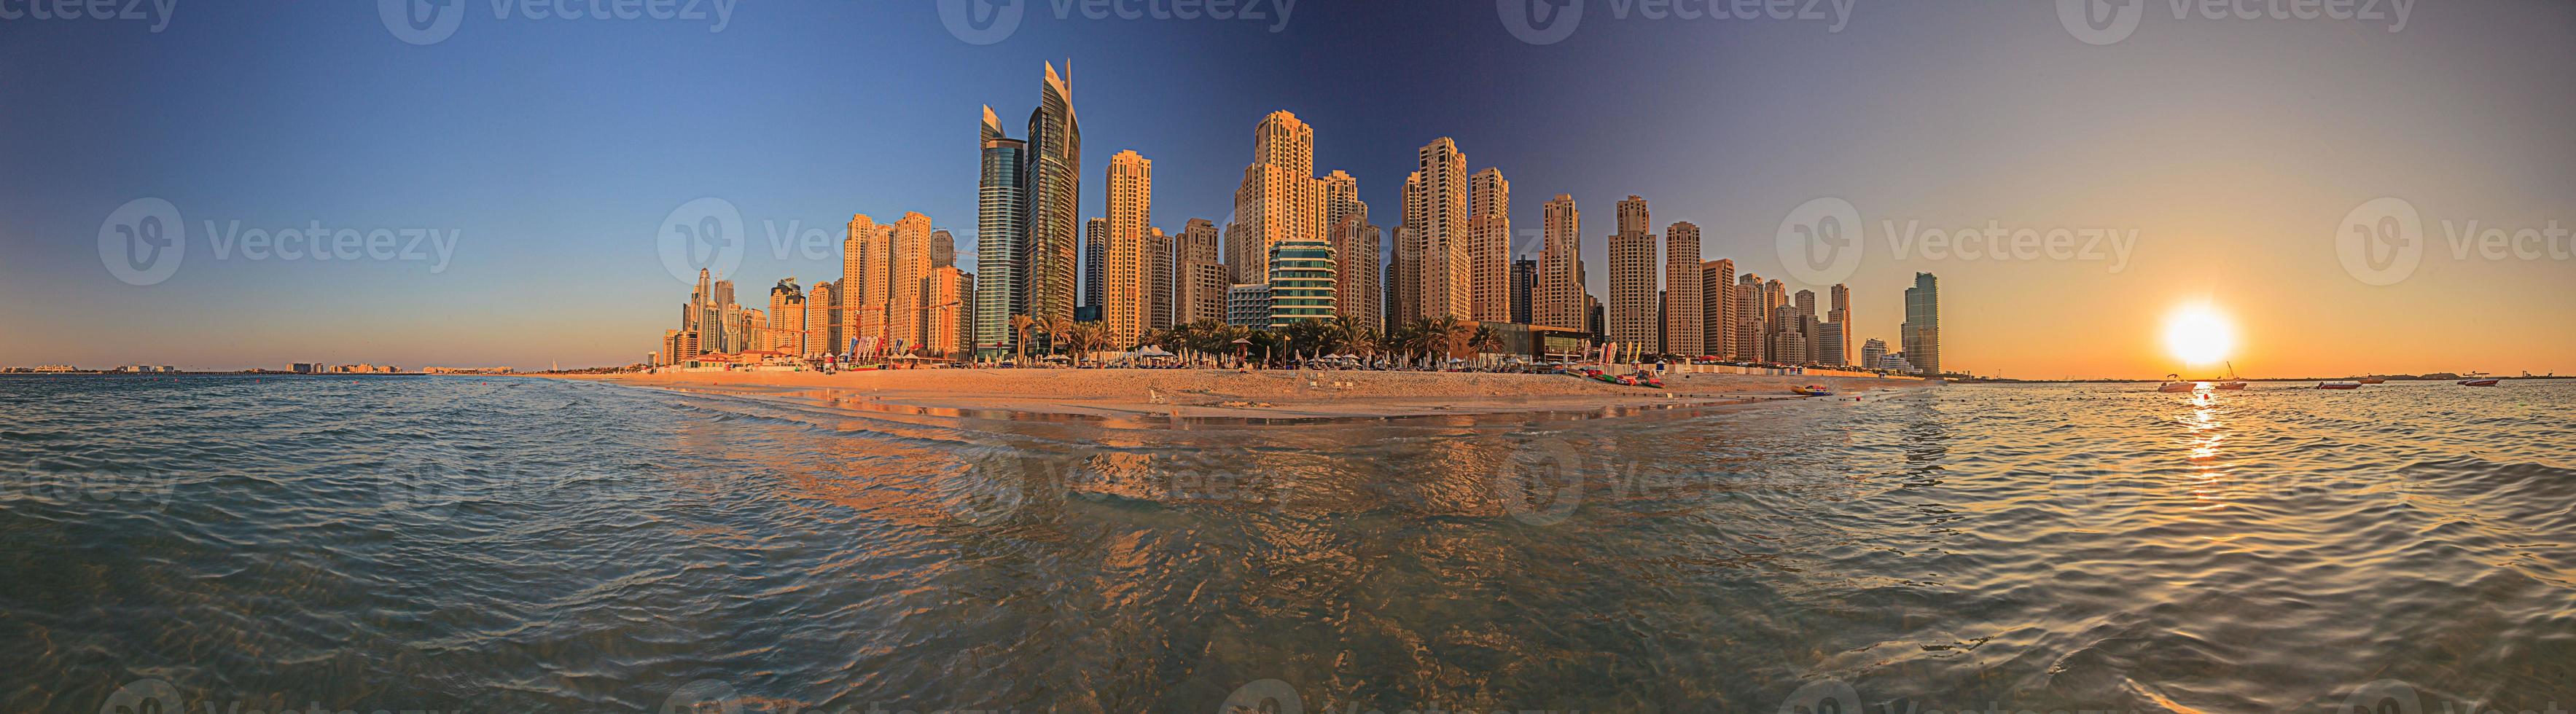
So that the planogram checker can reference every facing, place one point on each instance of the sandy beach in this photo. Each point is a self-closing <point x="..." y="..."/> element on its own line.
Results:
<point x="1197" y="393"/>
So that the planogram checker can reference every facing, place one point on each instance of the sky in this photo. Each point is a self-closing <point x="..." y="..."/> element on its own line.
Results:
<point x="2381" y="188"/>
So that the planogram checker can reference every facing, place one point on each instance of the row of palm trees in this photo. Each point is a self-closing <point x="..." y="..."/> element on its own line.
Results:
<point x="1445" y="337"/>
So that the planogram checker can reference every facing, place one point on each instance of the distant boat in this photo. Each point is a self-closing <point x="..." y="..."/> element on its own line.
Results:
<point x="2232" y="382"/>
<point x="2338" y="385"/>
<point x="2480" y="382"/>
<point x="2373" y="380"/>
<point x="1812" y="390"/>
<point x="2173" y="384"/>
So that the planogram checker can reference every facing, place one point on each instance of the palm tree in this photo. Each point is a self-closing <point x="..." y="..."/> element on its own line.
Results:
<point x="1055" y="327"/>
<point x="1085" y="338"/>
<point x="1353" y="336"/>
<point x="1022" y="323"/>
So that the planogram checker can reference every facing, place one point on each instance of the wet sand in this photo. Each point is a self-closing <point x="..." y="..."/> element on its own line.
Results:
<point x="1203" y="393"/>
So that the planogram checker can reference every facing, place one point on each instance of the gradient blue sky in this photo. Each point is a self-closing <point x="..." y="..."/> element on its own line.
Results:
<point x="556" y="148"/>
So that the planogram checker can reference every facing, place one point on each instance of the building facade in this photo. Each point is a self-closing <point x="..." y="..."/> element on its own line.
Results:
<point x="1001" y="239"/>
<point x="1633" y="294"/>
<point x="1685" y="325"/>
<point x="1301" y="282"/>
<point x="1560" y="297"/>
<point x="1126" y="300"/>
<point x="1489" y="246"/>
<point x="1717" y="308"/>
<point x="1921" y="334"/>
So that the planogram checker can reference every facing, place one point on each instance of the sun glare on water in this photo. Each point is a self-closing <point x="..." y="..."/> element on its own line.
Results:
<point x="2199" y="335"/>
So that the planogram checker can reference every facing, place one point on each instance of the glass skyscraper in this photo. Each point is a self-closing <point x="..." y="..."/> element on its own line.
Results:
<point x="1001" y="240"/>
<point x="1922" y="332"/>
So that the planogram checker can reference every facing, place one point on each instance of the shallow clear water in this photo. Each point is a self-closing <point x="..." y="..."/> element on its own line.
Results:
<point x="536" y="545"/>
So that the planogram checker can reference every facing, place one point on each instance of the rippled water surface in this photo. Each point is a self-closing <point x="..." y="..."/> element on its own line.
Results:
<point x="536" y="545"/>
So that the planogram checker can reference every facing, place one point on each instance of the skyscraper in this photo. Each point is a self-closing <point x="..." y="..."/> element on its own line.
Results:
<point x="1355" y="244"/>
<point x="1280" y="198"/>
<point x="1131" y="208"/>
<point x="1405" y="292"/>
<point x="1632" y="281"/>
<point x="907" y="265"/>
<point x="1561" y="299"/>
<point x="823" y="320"/>
<point x="1921" y="335"/>
<point x="1162" y="280"/>
<point x="943" y="249"/>
<point x="863" y="276"/>
<point x="1684" y="327"/>
<point x="1001" y="239"/>
<point x="1095" y="259"/>
<point x="1524" y="289"/>
<point x="1440" y="226"/>
<point x="1489" y="246"/>
<point x="1355" y="278"/>
<point x="1840" y="320"/>
<point x="1204" y="278"/>
<point x="1871" y="352"/>
<point x="1054" y="183"/>
<point x="1750" y="319"/>
<point x="787" y="318"/>
<point x="948" y="306"/>
<point x="1717" y="307"/>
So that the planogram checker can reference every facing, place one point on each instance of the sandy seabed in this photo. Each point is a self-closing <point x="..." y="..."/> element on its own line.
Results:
<point x="1195" y="393"/>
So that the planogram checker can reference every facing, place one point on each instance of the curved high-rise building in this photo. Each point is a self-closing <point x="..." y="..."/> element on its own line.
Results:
<point x="1001" y="239"/>
<point x="1055" y="198"/>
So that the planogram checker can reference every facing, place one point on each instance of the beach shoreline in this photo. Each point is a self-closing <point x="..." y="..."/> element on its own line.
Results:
<point x="1261" y="394"/>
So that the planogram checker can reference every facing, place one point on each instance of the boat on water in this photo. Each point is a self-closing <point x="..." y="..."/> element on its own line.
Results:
<point x="1812" y="390"/>
<point x="2339" y="385"/>
<point x="2480" y="382"/>
<point x="2232" y="382"/>
<point x="2174" y="383"/>
<point x="2373" y="380"/>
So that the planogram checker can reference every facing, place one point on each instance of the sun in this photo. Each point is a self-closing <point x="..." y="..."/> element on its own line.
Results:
<point x="2199" y="335"/>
